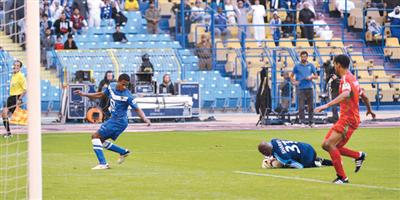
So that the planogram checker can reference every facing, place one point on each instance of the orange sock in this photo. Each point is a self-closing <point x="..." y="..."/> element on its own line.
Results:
<point x="349" y="153"/>
<point x="337" y="162"/>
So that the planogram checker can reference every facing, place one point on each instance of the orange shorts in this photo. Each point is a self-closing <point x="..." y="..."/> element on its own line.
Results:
<point x="342" y="127"/>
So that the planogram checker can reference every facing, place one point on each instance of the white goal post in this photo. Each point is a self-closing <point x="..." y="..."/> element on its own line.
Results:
<point x="33" y="94"/>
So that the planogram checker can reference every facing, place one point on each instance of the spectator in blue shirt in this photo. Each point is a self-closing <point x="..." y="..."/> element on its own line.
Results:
<point x="305" y="72"/>
<point x="221" y="28"/>
<point x="106" y="12"/>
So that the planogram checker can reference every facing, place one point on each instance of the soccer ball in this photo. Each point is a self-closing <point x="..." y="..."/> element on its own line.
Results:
<point x="267" y="162"/>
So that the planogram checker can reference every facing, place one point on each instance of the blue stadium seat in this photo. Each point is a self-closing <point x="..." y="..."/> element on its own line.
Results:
<point x="233" y="103"/>
<point x="220" y="103"/>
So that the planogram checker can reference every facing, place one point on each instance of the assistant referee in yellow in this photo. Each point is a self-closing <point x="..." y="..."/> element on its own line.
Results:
<point x="17" y="92"/>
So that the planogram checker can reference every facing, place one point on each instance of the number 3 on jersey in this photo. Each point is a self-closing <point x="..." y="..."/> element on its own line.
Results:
<point x="292" y="147"/>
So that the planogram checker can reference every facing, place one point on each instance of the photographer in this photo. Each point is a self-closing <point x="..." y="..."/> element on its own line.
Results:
<point x="334" y="80"/>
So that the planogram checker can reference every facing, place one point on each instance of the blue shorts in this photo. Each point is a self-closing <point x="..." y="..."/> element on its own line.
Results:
<point x="112" y="128"/>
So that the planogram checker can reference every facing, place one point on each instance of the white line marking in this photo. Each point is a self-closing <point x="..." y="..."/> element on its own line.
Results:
<point x="315" y="180"/>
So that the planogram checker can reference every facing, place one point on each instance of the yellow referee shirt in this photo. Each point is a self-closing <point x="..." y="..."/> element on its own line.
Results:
<point x="18" y="84"/>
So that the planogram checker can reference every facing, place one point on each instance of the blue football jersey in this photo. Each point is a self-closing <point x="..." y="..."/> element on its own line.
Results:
<point x="293" y="154"/>
<point x="119" y="101"/>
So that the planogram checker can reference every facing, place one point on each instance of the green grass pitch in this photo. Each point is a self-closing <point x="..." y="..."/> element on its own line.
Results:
<point x="202" y="165"/>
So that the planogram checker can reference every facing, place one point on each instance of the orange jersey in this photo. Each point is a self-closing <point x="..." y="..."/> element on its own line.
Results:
<point x="349" y="108"/>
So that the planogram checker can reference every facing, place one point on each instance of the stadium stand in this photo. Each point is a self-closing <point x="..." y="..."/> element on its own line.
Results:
<point x="97" y="52"/>
<point x="237" y="67"/>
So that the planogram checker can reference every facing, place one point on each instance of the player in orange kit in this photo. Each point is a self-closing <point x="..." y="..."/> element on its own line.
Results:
<point x="348" y="121"/>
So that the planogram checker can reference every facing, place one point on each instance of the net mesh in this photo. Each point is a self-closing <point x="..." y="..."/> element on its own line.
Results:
<point x="13" y="150"/>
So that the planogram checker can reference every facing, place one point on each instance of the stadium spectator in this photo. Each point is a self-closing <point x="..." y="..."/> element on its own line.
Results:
<point x="309" y="3"/>
<point x="319" y="22"/>
<point x="44" y="24"/>
<point x="105" y="101"/>
<point x="44" y="5"/>
<point x="332" y="79"/>
<point x="276" y="30"/>
<point x="286" y="92"/>
<point x="119" y="36"/>
<point x="306" y="17"/>
<point x="46" y="10"/>
<point x="230" y="11"/>
<point x="21" y="34"/>
<point x="119" y="18"/>
<point x="289" y="5"/>
<point x="276" y="4"/>
<point x="321" y="28"/>
<point x="58" y="45"/>
<point x="244" y="8"/>
<point x="198" y="15"/>
<point x="146" y="65"/>
<point x="221" y="30"/>
<point x="218" y="3"/>
<point x="82" y="5"/>
<point x="204" y="52"/>
<point x="1" y="11"/>
<point x="70" y="43"/>
<point x="394" y="17"/>
<point x="376" y="4"/>
<point x="106" y="12"/>
<point x="305" y="72"/>
<point x="94" y="12"/>
<point x="176" y="10"/>
<point x="258" y="11"/>
<point x="166" y="87"/>
<point x="56" y="10"/>
<point x="344" y="6"/>
<point x="375" y="29"/>
<point x="77" y="21"/>
<point x="62" y="25"/>
<point x="68" y="12"/>
<point x="287" y="29"/>
<point x="153" y="17"/>
<point x="131" y="5"/>
<point x="47" y="44"/>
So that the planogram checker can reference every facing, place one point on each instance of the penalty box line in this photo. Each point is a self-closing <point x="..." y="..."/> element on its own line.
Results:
<point x="315" y="180"/>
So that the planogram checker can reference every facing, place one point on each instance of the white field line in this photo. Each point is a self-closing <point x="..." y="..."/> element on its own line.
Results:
<point x="316" y="180"/>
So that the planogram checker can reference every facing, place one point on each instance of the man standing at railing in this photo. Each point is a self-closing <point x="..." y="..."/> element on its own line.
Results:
<point x="176" y="9"/>
<point x="306" y="17"/>
<point x="204" y="53"/>
<point x="258" y="11"/>
<point x="153" y="17"/>
<point x="305" y="72"/>
<point x="221" y="30"/>
<point x="242" y="17"/>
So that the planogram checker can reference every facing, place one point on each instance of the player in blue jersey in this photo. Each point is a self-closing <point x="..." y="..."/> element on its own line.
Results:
<point x="120" y="100"/>
<point x="291" y="154"/>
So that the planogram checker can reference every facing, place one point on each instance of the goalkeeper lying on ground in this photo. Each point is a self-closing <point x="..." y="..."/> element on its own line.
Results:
<point x="289" y="154"/>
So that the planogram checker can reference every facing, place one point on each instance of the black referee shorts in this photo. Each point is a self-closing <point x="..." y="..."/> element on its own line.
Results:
<point x="12" y="102"/>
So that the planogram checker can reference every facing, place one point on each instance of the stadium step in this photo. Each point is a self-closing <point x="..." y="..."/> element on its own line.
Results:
<point x="18" y="53"/>
<point x="13" y="48"/>
<point x="49" y="75"/>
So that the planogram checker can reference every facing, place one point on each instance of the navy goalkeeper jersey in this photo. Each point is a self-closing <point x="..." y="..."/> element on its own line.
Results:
<point x="293" y="154"/>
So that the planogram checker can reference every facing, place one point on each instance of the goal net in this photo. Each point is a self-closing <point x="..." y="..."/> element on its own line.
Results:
<point x="13" y="150"/>
<point x="16" y="150"/>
